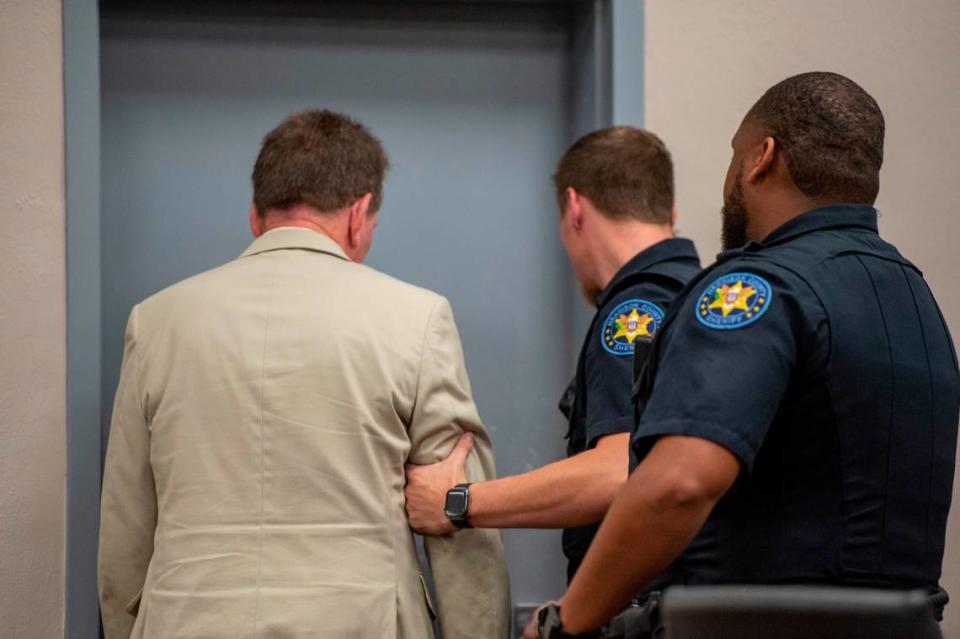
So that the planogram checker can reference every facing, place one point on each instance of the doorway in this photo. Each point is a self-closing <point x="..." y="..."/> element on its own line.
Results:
<point x="474" y="102"/>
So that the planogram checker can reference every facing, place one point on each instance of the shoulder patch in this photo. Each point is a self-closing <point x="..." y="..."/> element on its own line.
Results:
<point x="627" y="322"/>
<point x="733" y="301"/>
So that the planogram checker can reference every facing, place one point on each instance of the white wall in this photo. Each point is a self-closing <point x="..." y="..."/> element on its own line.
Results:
<point x="32" y="321"/>
<point x="707" y="62"/>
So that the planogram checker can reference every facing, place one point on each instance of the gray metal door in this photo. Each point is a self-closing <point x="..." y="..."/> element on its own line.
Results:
<point x="473" y="117"/>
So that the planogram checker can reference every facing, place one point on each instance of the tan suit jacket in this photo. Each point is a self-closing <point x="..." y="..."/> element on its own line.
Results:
<point x="254" y="476"/>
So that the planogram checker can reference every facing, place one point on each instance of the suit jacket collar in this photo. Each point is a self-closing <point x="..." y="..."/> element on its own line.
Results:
<point x="293" y="237"/>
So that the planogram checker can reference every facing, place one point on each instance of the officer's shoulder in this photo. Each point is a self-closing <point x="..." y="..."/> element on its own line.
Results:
<point x="793" y="264"/>
<point x="776" y="275"/>
<point x="740" y="291"/>
<point x="812" y="252"/>
<point x="641" y="288"/>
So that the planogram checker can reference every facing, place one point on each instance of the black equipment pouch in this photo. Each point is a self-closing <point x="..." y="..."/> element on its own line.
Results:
<point x="938" y="600"/>
<point x="638" y="621"/>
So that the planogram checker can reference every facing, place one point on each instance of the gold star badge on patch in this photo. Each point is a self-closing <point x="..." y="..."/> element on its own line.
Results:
<point x="627" y="323"/>
<point x="734" y="300"/>
<point x="632" y="326"/>
<point x="732" y="297"/>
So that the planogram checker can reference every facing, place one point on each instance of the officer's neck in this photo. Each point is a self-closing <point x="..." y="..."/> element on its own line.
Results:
<point x="775" y="210"/>
<point x="618" y="242"/>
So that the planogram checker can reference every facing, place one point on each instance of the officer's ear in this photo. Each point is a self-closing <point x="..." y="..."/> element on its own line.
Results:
<point x="763" y="161"/>
<point x="575" y="203"/>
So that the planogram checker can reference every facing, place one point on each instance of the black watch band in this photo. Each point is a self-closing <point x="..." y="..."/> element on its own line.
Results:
<point x="457" y="506"/>
<point x="549" y="625"/>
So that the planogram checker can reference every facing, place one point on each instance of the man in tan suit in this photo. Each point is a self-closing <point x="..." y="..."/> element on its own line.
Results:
<point x="265" y="412"/>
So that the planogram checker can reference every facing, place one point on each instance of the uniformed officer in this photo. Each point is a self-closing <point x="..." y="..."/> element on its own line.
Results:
<point x="798" y="414"/>
<point x="615" y="190"/>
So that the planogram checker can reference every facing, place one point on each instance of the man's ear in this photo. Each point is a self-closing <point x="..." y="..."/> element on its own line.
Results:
<point x="763" y="161"/>
<point x="256" y="222"/>
<point x="673" y="217"/>
<point x="359" y="212"/>
<point x="574" y="202"/>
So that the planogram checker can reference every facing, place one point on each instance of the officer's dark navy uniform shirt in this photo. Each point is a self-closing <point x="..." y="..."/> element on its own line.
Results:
<point x="821" y="360"/>
<point x="629" y="310"/>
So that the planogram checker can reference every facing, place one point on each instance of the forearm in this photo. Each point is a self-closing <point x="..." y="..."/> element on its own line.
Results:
<point x="569" y="493"/>
<point x="659" y="512"/>
<point x="619" y="563"/>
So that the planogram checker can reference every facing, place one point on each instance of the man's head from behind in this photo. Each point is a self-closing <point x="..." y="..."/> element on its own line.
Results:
<point x="320" y="170"/>
<point x="612" y="185"/>
<point x="811" y="140"/>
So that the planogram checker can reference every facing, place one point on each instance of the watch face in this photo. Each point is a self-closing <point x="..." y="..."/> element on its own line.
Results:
<point x="456" y="505"/>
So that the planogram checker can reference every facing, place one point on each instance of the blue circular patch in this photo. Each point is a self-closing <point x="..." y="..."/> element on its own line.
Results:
<point x="734" y="301"/>
<point x="627" y="322"/>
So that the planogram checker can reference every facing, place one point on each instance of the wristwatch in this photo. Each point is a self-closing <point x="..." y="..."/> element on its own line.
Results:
<point x="549" y="625"/>
<point x="457" y="506"/>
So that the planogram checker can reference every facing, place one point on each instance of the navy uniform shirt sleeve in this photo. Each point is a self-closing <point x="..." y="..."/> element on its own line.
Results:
<point x="609" y="371"/>
<point x="723" y="377"/>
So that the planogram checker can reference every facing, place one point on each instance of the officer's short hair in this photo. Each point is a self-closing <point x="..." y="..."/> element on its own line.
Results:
<point x="626" y="172"/>
<point x="830" y="132"/>
<point x="318" y="158"/>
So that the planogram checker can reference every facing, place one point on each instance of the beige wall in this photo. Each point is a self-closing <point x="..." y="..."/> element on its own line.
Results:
<point x="32" y="320"/>
<point x="707" y="62"/>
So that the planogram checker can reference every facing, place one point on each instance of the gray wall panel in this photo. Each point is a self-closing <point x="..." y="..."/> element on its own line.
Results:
<point x="81" y="48"/>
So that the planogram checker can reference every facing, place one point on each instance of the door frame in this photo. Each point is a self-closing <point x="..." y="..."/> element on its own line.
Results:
<point x="608" y="87"/>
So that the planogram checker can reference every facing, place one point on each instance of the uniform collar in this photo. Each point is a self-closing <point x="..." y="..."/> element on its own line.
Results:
<point x="670" y="249"/>
<point x="825" y="217"/>
<point x="293" y="237"/>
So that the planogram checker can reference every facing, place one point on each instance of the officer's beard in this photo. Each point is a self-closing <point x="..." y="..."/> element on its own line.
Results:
<point x="590" y="293"/>
<point x="733" y="232"/>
